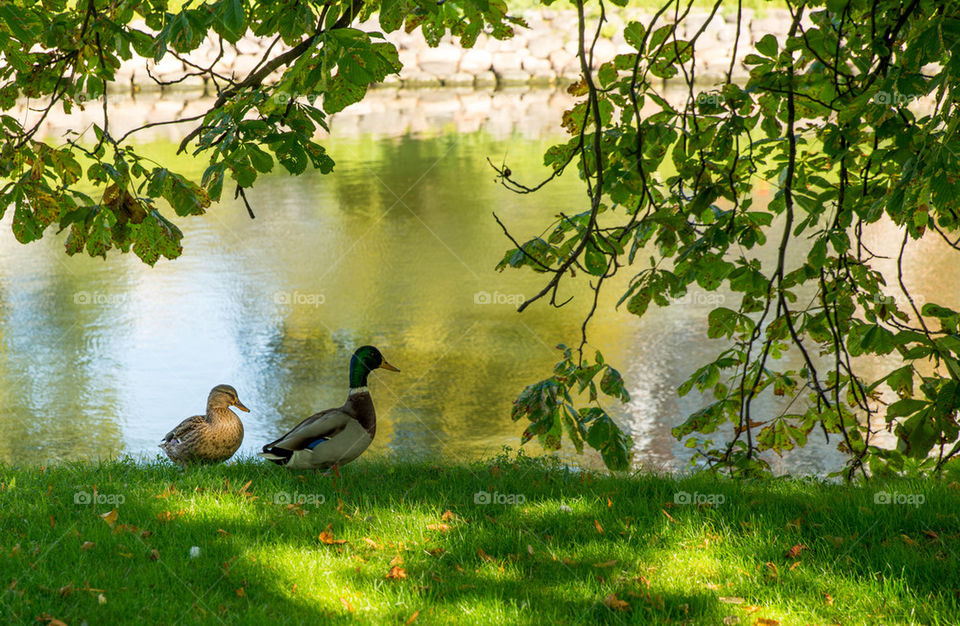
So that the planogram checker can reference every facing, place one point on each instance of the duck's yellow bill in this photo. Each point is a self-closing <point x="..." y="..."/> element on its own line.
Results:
<point x="389" y="367"/>
<point x="240" y="406"/>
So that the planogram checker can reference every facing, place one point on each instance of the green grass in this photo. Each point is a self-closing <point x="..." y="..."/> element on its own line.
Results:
<point x="262" y="561"/>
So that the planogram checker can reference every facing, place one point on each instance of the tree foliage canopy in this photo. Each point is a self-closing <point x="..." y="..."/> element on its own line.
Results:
<point x="852" y="117"/>
<point x="66" y="53"/>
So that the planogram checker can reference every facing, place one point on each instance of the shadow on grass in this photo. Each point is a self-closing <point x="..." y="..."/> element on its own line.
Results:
<point x="507" y="542"/>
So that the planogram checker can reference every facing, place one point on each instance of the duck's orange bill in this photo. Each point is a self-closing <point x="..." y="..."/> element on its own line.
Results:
<point x="240" y="406"/>
<point x="389" y="367"/>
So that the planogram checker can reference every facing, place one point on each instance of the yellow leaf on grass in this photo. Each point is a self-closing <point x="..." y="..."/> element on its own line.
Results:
<point x="111" y="517"/>
<point x="597" y="525"/>
<point x="448" y="516"/>
<point x="907" y="540"/>
<point x="397" y="560"/>
<point x="327" y="537"/>
<point x="615" y="603"/>
<point x="483" y="555"/>
<point x="795" y="551"/>
<point x="346" y="604"/>
<point x="763" y="621"/>
<point x="241" y="593"/>
<point x="436" y="551"/>
<point x="413" y="617"/>
<point x="731" y="599"/>
<point x="396" y="573"/>
<point x="373" y="544"/>
<point x="441" y="527"/>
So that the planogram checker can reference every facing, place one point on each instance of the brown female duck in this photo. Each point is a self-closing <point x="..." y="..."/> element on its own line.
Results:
<point x="209" y="438"/>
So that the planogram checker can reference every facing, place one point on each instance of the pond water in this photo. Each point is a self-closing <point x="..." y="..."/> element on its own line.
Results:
<point x="397" y="248"/>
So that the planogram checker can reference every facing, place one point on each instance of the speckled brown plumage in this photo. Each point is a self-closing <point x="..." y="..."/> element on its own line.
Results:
<point x="209" y="438"/>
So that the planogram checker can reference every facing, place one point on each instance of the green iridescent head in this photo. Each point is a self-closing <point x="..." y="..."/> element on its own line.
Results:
<point x="365" y="360"/>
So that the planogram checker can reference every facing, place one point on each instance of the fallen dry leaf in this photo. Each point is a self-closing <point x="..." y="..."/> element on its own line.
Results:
<point x="606" y="564"/>
<point x="397" y="560"/>
<point x="750" y="608"/>
<point x="669" y="517"/>
<point x="483" y="555"/>
<point x="413" y="617"/>
<point x="907" y="540"/>
<point x="795" y="551"/>
<point x="529" y="549"/>
<point x="441" y="527"/>
<point x="828" y="599"/>
<point x="597" y="525"/>
<point x="448" y="516"/>
<point x="346" y="604"/>
<point x="86" y="545"/>
<point x="373" y="544"/>
<point x="731" y="619"/>
<point x="931" y="534"/>
<point x="154" y="555"/>
<point x="615" y="603"/>
<point x="222" y="532"/>
<point x="101" y="599"/>
<point x="436" y="551"/>
<point x="396" y="573"/>
<point x="326" y="537"/>
<point x="111" y="517"/>
<point x="763" y="621"/>
<point x="169" y="516"/>
<point x="241" y="593"/>
<point x="731" y="599"/>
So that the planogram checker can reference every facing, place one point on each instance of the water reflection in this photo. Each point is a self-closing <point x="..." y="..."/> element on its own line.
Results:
<point x="101" y="358"/>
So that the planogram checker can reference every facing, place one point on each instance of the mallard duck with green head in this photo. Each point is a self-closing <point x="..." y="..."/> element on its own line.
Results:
<point x="334" y="437"/>
<point x="209" y="438"/>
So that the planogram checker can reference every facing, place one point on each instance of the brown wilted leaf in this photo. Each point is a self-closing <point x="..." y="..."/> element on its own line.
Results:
<point x="828" y="599"/>
<point x="750" y="608"/>
<point x="609" y="503"/>
<point x="111" y="517"/>
<point x="87" y="545"/>
<point x="606" y="564"/>
<point x="907" y="540"/>
<point x="729" y="620"/>
<point x="413" y="617"/>
<point x="396" y="573"/>
<point x="495" y="470"/>
<point x="764" y="621"/>
<point x="154" y="555"/>
<point x="146" y="534"/>
<point x="449" y="516"/>
<point x="483" y="555"/>
<point x="441" y="527"/>
<point x="56" y="622"/>
<point x="731" y="599"/>
<point x="373" y="544"/>
<point x="597" y="525"/>
<point x="327" y="537"/>
<point x="169" y="516"/>
<point x="397" y="560"/>
<point x="346" y="604"/>
<point x="615" y="603"/>
<point x="436" y="552"/>
<point x="66" y="590"/>
<point x="669" y="517"/>
<point x="795" y="551"/>
<point x="931" y="534"/>
<point x="529" y="549"/>
<point x="221" y="531"/>
<point x="166" y="492"/>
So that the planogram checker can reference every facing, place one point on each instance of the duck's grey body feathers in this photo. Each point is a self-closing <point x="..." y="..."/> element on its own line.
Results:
<point x="331" y="437"/>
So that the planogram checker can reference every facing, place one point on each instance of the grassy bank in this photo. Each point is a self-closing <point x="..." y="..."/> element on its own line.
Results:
<point x="392" y="543"/>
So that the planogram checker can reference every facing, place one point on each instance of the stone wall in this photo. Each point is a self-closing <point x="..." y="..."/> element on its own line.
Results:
<point x="543" y="54"/>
